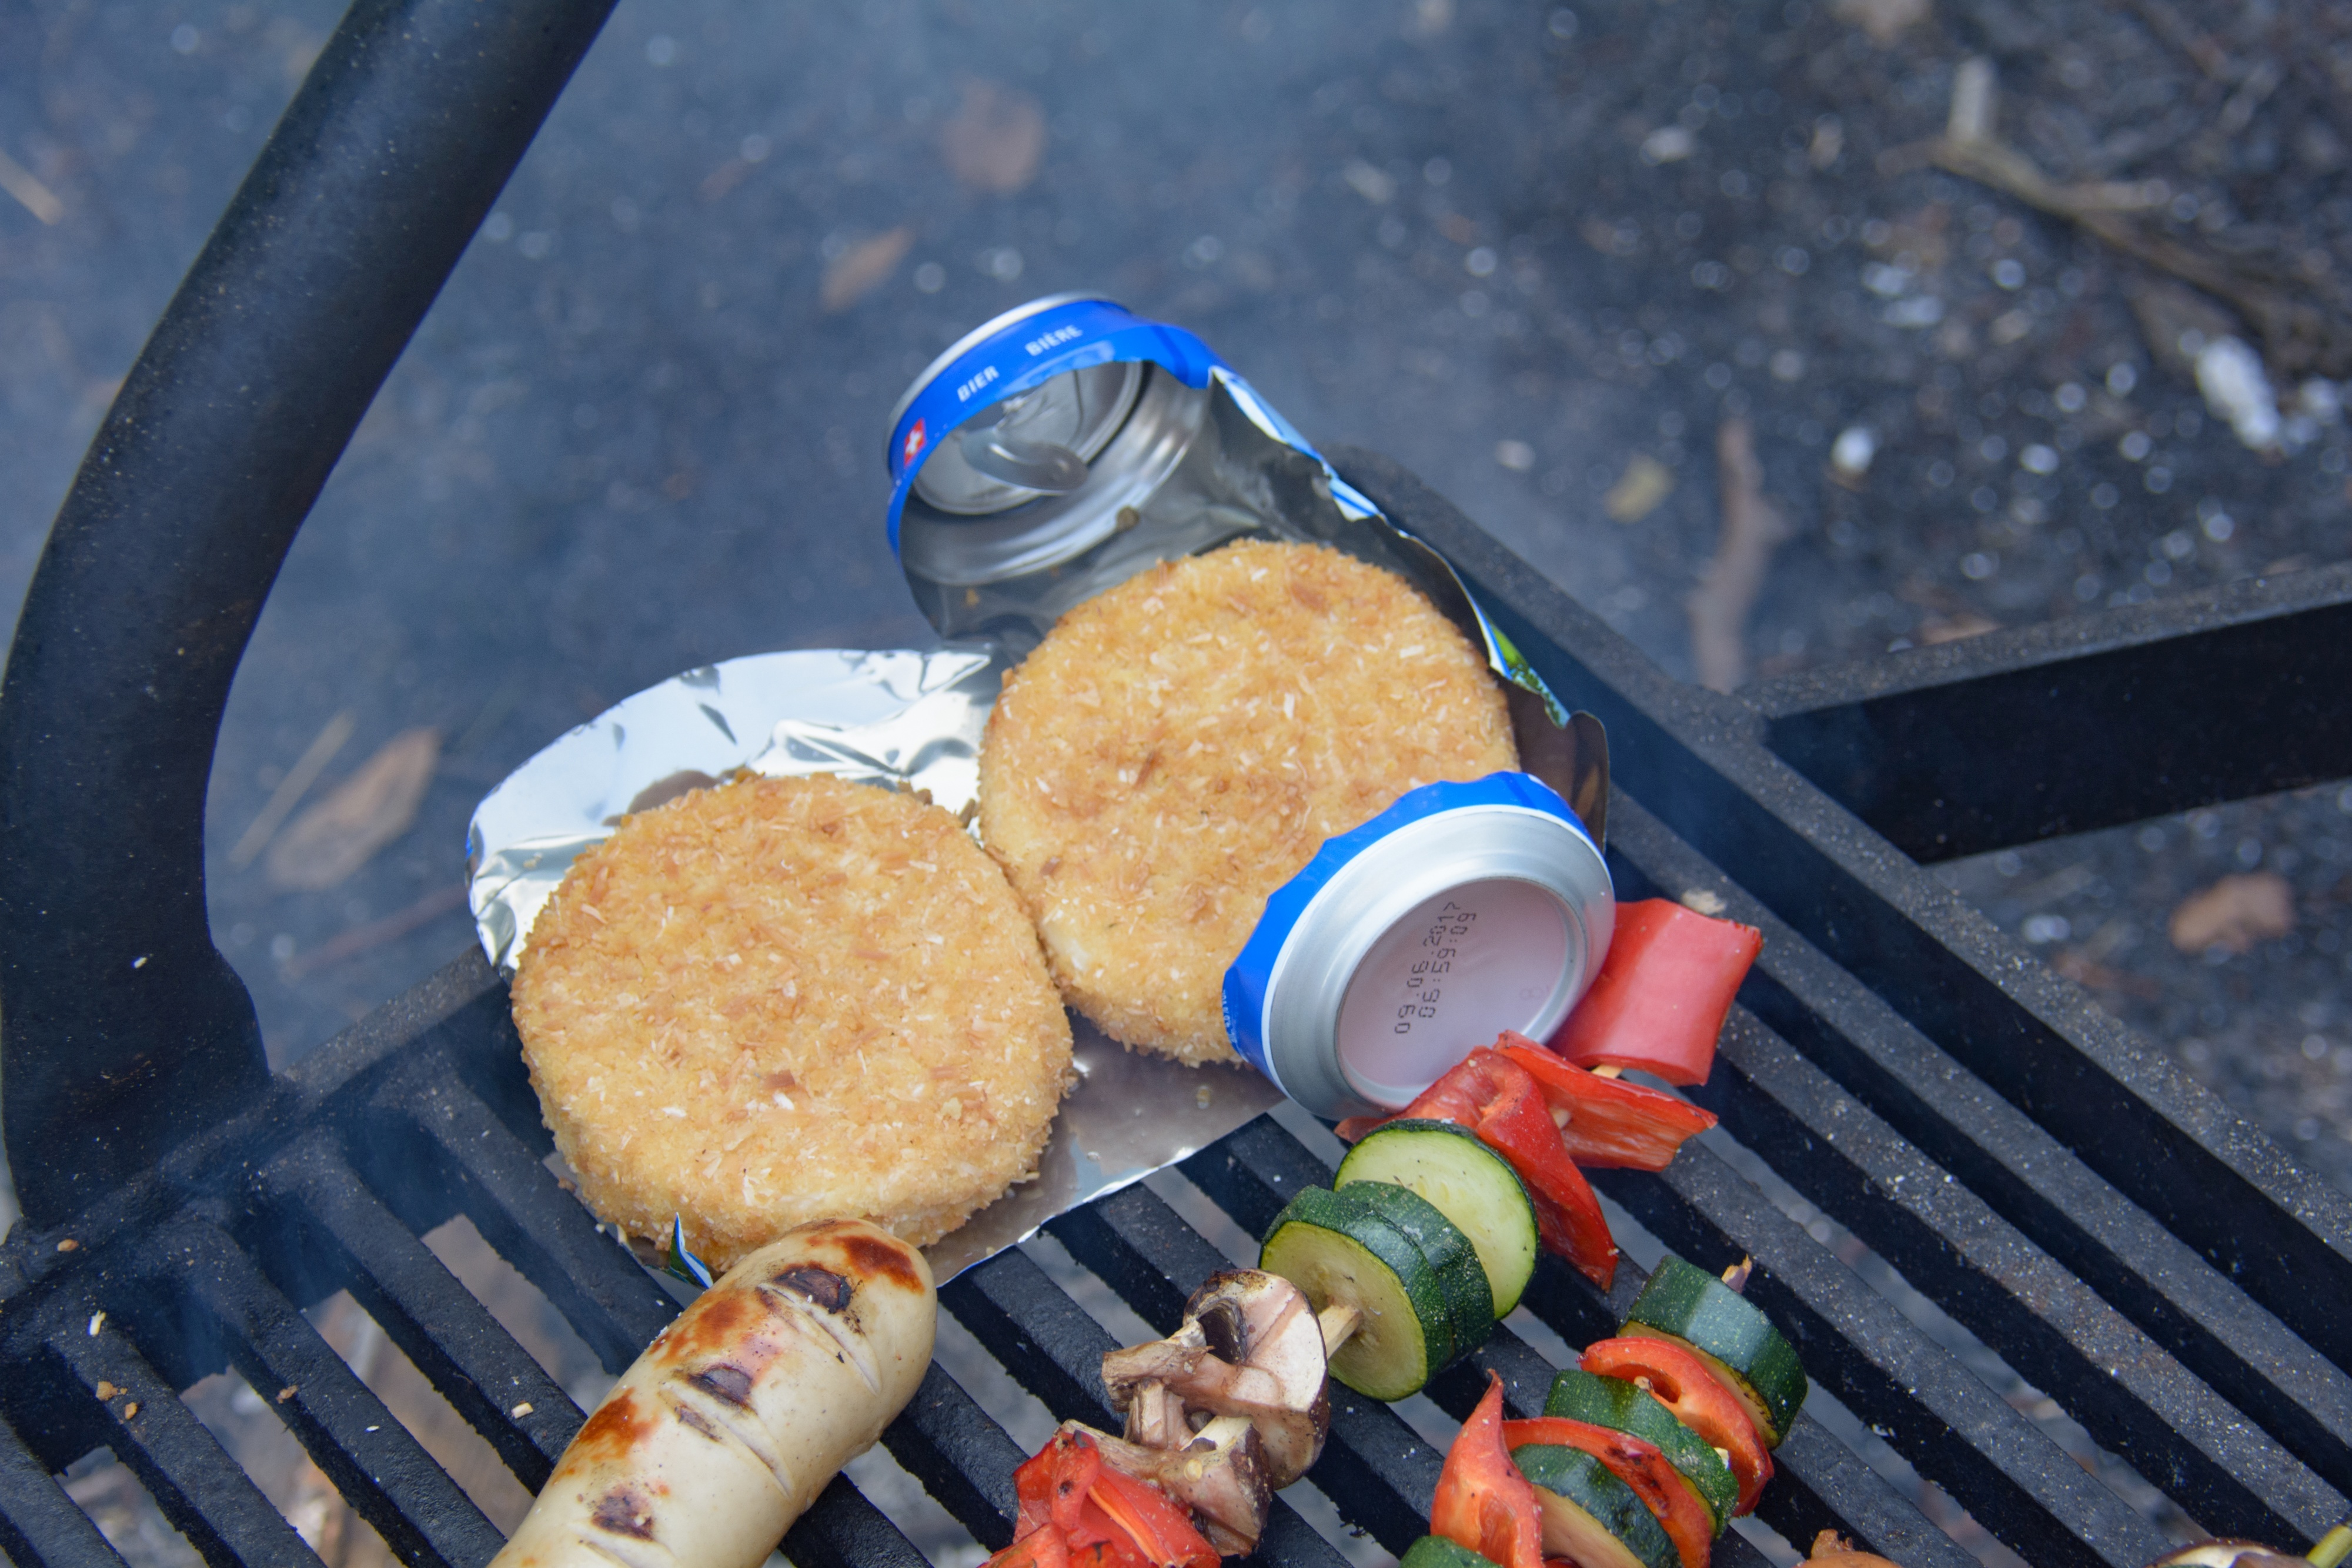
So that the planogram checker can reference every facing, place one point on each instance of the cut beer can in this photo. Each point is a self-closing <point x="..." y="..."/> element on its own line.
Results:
<point x="1068" y="445"/>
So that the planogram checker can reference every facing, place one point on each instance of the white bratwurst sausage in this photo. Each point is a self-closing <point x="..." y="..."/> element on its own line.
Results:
<point x="735" y="1418"/>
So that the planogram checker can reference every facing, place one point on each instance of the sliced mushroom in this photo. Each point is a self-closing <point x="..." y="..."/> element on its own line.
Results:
<point x="1262" y="1327"/>
<point x="1220" y="1473"/>
<point x="1155" y="1417"/>
<point x="1161" y="1361"/>
<point x="1250" y="1346"/>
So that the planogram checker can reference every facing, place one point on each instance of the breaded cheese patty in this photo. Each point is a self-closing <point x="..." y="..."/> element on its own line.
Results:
<point x="787" y="999"/>
<point x="1179" y="747"/>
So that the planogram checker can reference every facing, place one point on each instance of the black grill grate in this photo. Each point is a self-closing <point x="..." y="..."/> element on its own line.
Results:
<point x="2187" y="1350"/>
<point x="2051" y="1182"/>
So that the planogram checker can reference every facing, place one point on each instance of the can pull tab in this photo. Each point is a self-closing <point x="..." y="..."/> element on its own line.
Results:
<point x="1005" y="453"/>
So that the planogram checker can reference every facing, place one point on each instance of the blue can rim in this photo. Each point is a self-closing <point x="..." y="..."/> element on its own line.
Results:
<point x="1022" y="349"/>
<point x="1250" y="976"/>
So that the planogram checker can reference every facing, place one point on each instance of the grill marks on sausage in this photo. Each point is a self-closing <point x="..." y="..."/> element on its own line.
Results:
<point x="726" y="1382"/>
<point x="691" y="1419"/>
<point x="617" y="1426"/>
<point x="718" y="1323"/>
<point x="871" y="1258"/>
<point x="624" y="1511"/>
<point x="821" y="1286"/>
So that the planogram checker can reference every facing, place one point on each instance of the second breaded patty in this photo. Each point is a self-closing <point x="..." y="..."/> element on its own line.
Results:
<point x="786" y="999"/>
<point x="1178" y="747"/>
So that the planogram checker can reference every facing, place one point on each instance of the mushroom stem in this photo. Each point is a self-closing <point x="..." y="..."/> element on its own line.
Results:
<point x="1339" y="1322"/>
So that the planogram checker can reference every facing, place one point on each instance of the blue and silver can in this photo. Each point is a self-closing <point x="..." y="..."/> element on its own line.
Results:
<point x="1068" y="445"/>
<point x="1462" y="911"/>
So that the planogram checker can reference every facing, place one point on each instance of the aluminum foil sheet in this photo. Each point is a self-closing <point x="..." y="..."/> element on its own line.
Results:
<point x="882" y="718"/>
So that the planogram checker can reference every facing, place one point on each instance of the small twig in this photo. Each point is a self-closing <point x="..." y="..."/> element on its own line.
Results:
<point x="2302" y="333"/>
<point x="1752" y="530"/>
<point x="1339" y="1322"/>
<point x="292" y="787"/>
<point x="31" y="194"/>
<point x="375" y="933"/>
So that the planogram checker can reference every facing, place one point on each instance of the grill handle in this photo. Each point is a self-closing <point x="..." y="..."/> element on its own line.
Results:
<point x="125" y="1030"/>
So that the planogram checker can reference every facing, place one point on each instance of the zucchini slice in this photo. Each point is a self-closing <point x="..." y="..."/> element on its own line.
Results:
<point x="1589" y="1515"/>
<point x="1337" y="1250"/>
<point x="1462" y="1279"/>
<point x="1689" y="1306"/>
<point x="1465" y="1181"/>
<point x="1619" y="1405"/>
<point x="1437" y="1552"/>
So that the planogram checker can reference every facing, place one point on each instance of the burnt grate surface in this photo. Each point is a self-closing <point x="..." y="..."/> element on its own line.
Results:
<point x="2120" y="1239"/>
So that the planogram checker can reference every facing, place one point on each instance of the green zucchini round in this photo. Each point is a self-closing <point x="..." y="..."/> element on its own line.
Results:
<point x="1689" y="1306"/>
<point x="1460" y="1276"/>
<point x="1470" y="1184"/>
<point x="1337" y="1250"/>
<point x="1437" y="1552"/>
<point x="1589" y="1515"/>
<point x="1617" y="1405"/>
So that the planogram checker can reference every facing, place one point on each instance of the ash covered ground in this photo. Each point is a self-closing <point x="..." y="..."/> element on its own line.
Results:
<point x="1543" y="255"/>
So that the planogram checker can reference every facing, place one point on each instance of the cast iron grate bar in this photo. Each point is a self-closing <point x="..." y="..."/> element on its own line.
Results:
<point x="2165" y="1288"/>
<point x="842" y="1530"/>
<point x="2219" y="694"/>
<point x="378" y="1468"/>
<point x="488" y="1173"/>
<point x="964" y="1459"/>
<point x="193" y="1480"/>
<point x="2132" y="1398"/>
<point x="324" y="1213"/>
<point x="41" y="1527"/>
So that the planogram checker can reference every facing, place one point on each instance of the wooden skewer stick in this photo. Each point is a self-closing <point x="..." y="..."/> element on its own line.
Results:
<point x="1339" y="1322"/>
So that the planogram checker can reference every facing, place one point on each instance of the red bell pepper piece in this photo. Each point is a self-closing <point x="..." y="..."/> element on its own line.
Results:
<point x="1663" y="992"/>
<point x="1501" y="1101"/>
<point x="1638" y="1464"/>
<point x="1043" y="1547"/>
<point x="1159" y="1529"/>
<point x="1483" y="1502"/>
<point x="1685" y="1386"/>
<point x="1605" y="1121"/>
<point x="1101" y="1518"/>
<point x="1052" y="1487"/>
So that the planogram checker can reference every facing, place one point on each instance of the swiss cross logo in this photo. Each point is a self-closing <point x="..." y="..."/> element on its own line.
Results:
<point x="914" y="445"/>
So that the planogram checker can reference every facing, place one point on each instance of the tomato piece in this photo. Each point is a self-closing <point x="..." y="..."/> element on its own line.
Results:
<point x="1483" y="1502"/>
<point x="1608" y="1123"/>
<point x="1640" y="1465"/>
<point x="1663" y="992"/>
<point x="1683" y="1384"/>
<point x="1501" y="1101"/>
<point x="1159" y="1530"/>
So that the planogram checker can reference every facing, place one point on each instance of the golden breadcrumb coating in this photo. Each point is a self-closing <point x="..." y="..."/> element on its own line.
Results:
<point x="1179" y="747"/>
<point x="787" y="999"/>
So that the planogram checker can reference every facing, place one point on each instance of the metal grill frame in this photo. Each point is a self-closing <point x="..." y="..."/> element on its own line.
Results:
<point x="2127" y="1242"/>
